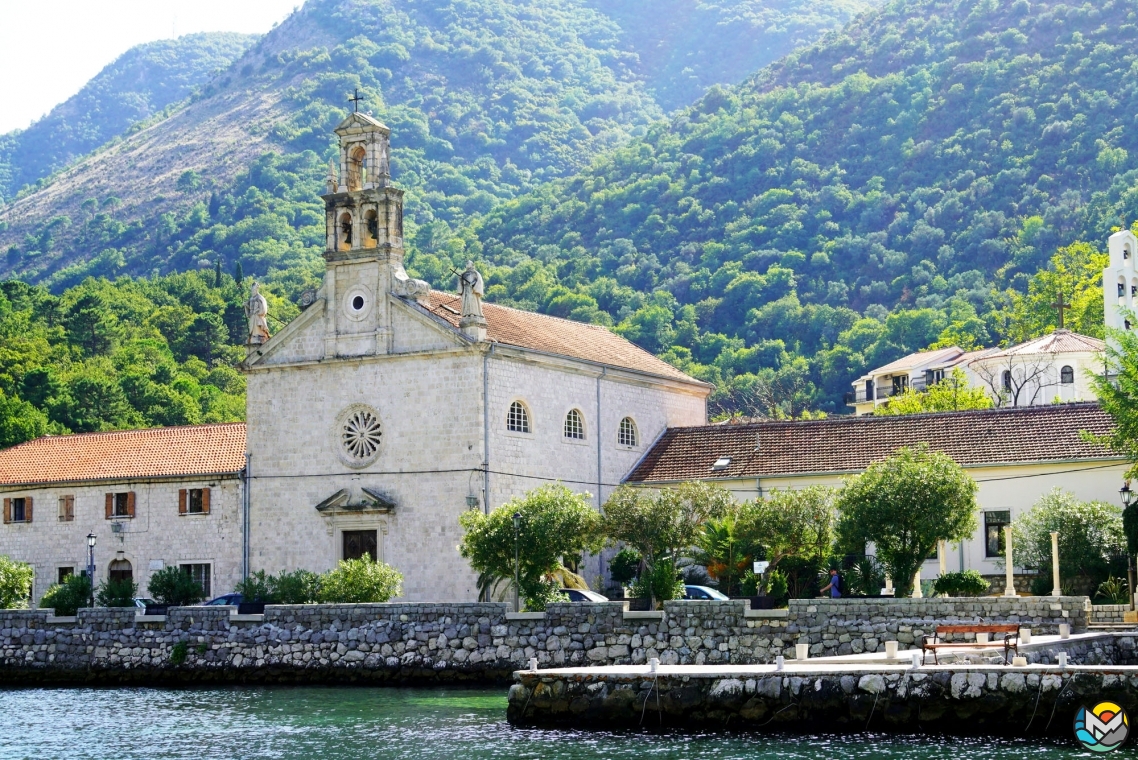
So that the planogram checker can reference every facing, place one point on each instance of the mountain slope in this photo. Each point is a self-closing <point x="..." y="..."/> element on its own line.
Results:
<point x="137" y="85"/>
<point x="930" y="151"/>
<point x="487" y="99"/>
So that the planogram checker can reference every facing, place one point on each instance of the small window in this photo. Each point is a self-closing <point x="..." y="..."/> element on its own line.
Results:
<point x="361" y="543"/>
<point x="193" y="501"/>
<point x="900" y="384"/>
<point x="575" y="425"/>
<point x="517" y="420"/>
<point x="200" y="573"/>
<point x="868" y="390"/>
<point x="626" y="433"/>
<point x="63" y="573"/>
<point x="722" y="463"/>
<point x="1008" y="380"/>
<point x="19" y="510"/>
<point x="994" y="523"/>
<point x="66" y="508"/>
<point x="1067" y="375"/>
<point x="120" y="570"/>
<point x="1126" y="253"/>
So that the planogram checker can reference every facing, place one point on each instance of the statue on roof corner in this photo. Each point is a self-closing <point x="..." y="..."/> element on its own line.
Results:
<point x="471" y="288"/>
<point x="257" y="312"/>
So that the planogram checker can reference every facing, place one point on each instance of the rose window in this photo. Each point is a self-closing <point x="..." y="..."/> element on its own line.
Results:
<point x="361" y="435"/>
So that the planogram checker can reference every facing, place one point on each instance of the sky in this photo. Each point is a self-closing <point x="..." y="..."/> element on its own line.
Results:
<point x="49" y="51"/>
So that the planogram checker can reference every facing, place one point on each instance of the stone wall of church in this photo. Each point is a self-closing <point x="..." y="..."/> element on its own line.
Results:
<point x="156" y="536"/>
<point x="404" y="642"/>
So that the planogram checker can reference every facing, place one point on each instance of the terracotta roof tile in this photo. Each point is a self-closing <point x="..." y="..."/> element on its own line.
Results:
<point x="1060" y="341"/>
<point x="553" y="335"/>
<point x="126" y="455"/>
<point x="849" y="444"/>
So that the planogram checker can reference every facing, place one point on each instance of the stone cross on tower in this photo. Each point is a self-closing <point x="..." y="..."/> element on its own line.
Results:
<point x="355" y="100"/>
<point x="1061" y="307"/>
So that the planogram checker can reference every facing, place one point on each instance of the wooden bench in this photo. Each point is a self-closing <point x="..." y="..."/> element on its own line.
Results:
<point x="1010" y="641"/>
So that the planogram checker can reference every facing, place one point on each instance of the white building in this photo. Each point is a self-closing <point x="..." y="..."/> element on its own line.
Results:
<point x="1016" y="455"/>
<point x="1120" y="281"/>
<point x="152" y="498"/>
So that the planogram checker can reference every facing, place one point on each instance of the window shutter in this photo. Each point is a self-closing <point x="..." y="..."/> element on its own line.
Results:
<point x="110" y="505"/>
<point x="7" y="510"/>
<point x="28" y="509"/>
<point x="70" y="507"/>
<point x="205" y="501"/>
<point x="182" y="508"/>
<point x="130" y="504"/>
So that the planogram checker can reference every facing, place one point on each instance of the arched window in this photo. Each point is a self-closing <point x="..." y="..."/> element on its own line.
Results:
<point x="357" y="168"/>
<point x="345" y="231"/>
<point x="372" y="226"/>
<point x="626" y="434"/>
<point x="517" y="419"/>
<point x="575" y="425"/>
<point x="1008" y="380"/>
<point x="1067" y="375"/>
<point x="120" y="570"/>
<point x="1126" y="253"/>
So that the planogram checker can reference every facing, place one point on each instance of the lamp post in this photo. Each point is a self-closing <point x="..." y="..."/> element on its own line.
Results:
<point x="91" y="567"/>
<point x="1128" y="527"/>
<point x="517" y="531"/>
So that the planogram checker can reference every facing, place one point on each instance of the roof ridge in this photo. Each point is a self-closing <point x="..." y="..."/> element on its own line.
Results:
<point x="527" y="312"/>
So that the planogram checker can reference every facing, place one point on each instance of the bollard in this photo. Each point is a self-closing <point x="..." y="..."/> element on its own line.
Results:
<point x="780" y="663"/>
<point x="1019" y="662"/>
<point x="981" y="638"/>
<point x="653" y="664"/>
<point x="1063" y="659"/>
<point x="801" y="651"/>
<point x="1025" y="635"/>
<point x="533" y="664"/>
<point x="1064" y="630"/>
<point x="890" y="650"/>
<point x="916" y="660"/>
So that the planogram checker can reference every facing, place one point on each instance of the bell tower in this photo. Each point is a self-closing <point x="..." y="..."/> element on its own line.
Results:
<point x="1120" y="282"/>
<point x="364" y="242"/>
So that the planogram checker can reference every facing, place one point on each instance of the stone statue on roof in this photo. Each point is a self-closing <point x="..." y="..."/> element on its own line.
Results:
<point x="257" y="312"/>
<point x="471" y="288"/>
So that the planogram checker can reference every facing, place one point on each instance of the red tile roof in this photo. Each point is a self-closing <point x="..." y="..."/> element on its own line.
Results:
<point x="849" y="444"/>
<point x="553" y="335"/>
<point x="1060" y="341"/>
<point x="126" y="455"/>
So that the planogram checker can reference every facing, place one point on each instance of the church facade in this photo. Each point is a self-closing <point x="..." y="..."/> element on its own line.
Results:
<point x="386" y="408"/>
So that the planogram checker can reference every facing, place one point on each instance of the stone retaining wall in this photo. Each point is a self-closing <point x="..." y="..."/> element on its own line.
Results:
<point x="436" y="642"/>
<point x="1108" y="613"/>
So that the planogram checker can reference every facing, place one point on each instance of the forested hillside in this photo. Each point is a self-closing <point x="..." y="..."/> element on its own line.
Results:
<point x="863" y="198"/>
<point x="138" y="85"/>
<point x="487" y="99"/>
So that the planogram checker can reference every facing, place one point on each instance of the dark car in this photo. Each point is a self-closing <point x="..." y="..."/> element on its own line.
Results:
<point x="576" y="595"/>
<point x="225" y="599"/>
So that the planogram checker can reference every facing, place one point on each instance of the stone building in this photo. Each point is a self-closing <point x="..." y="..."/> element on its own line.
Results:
<point x="152" y="498"/>
<point x="1015" y="455"/>
<point x="386" y="408"/>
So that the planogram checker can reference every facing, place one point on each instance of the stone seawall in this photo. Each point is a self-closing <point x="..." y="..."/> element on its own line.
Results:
<point x="478" y="642"/>
<point x="971" y="699"/>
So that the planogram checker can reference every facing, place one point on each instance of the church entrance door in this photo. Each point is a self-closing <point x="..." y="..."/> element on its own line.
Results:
<point x="361" y="543"/>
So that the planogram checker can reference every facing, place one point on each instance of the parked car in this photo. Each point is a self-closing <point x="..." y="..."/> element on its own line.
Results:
<point x="703" y="592"/>
<point x="142" y="601"/>
<point x="230" y="599"/>
<point x="577" y="595"/>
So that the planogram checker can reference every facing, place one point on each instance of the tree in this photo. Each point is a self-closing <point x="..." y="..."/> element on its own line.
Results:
<point x="725" y="551"/>
<point x="66" y="598"/>
<point x="952" y="394"/>
<point x="1090" y="537"/>
<point x="91" y="325"/>
<point x="174" y="586"/>
<point x="360" y="581"/>
<point x="905" y="505"/>
<point x="1017" y="379"/>
<point x="664" y="525"/>
<point x="791" y="523"/>
<point x="1117" y="391"/>
<point x="15" y="583"/>
<point x="555" y="523"/>
<point x="117" y="593"/>
<point x="19" y="421"/>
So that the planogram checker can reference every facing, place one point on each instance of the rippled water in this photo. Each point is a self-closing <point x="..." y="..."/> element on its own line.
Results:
<point x="331" y="723"/>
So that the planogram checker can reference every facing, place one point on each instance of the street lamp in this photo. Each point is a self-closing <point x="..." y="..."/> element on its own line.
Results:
<point x="91" y="567"/>
<point x="517" y="529"/>
<point x="1129" y="527"/>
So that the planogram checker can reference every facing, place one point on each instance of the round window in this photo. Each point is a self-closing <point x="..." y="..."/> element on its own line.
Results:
<point x="358" y="303"/>
<point x="360" y="435"/>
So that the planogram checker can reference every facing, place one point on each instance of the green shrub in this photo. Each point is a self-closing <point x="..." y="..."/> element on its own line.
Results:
<point x="359" y="581"/>
<point x="297" y="587"/>
<point x="967" y="583"/>
<point x="120" y="593"/>
<point x="66" y="598"/>
<point x="625" y="566"/>
<point x="255" y="588"/>
<point x="175" y="587"/>
<point x="179" y="652"/>
<point x="864" y="577"/>
<point x="661" y="583"/>
<point x="542" y="594"/>
<point x="15" y="583"/>
<point x="778" y="587"/>
<point x="1113" y="591"/>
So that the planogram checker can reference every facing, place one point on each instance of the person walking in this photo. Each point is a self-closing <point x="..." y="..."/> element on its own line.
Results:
<point x="834" y="586"/>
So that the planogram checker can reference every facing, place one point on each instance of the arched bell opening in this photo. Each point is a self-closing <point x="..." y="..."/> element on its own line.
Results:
<point x="344" y="235"/>
<point x="371" y="233"/>
<point x="357" y="168"/>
